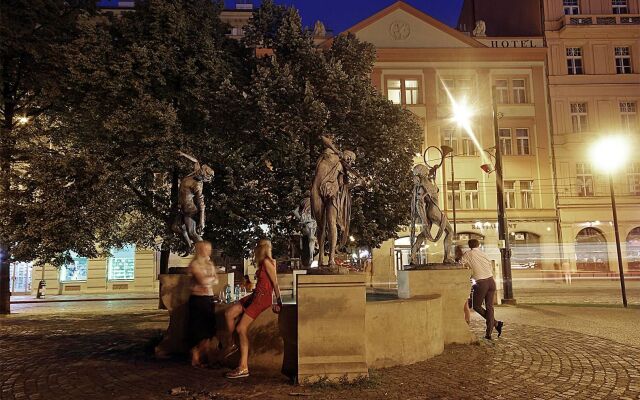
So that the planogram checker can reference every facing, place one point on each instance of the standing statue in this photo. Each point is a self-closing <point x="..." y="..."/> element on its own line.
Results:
<point x="191" y="203"/>
<point x="330" y="197"/>
<point x="308" y="227"/>
<point x="425" y="211"/>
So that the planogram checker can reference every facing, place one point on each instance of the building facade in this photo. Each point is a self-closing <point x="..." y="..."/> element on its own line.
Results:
<point x="594" y="85"/>
<point x="419" y="60"/>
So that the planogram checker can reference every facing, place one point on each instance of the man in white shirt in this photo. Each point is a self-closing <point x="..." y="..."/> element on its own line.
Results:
<point x="485" y="287"/>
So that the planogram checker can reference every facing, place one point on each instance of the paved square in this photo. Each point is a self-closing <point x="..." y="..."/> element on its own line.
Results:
<point x="107" y="356"/>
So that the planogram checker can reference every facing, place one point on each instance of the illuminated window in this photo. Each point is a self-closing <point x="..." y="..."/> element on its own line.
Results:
<point x="510" y="194"/>
<point x="579" y="118"/>
<point x="522" y="141"/>
<point x="623" y="60"/>
<point x="620" y="6"/>
<point x="571" y="7"/>
<point x="459" y="141"/>
<point x="451" y="187"/>
<point x="628" y="116"/>
<point x="411" y="91"/>
<point x="519" y="91"/>
<point x="403" y="91"/>
<point x="526" y="193"/>
<point x="460" y="88"/>
<point x="471" y="195"/>
<point x="121" y="264"/>
<point x="449" y="138"/>
<point x="394" y="91"/>
<point x="76" y="270"/>
<point x="468" y="147"/>
<point x="502" y="91"/>
<point x="574" y="61"/>
<point x="505" y="141"/>
<point x="584" y="179"/>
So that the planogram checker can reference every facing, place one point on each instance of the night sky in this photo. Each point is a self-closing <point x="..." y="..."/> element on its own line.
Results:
<point x="339" y="15"/>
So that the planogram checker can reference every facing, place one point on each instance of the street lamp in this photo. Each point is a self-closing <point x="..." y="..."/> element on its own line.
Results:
<point x="609" y="154"/>
<point x="503" y="235"/>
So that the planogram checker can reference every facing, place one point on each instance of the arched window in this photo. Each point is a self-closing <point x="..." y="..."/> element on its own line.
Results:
<point x="591" y="251"/>
<point x="525" y="250"/>
<point x="633" y="249"/>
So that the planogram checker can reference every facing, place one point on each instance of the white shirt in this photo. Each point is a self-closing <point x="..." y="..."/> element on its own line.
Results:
<point x="479" y="263"/>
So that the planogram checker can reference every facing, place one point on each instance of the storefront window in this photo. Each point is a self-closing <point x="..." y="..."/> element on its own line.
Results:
<point x="121" y="264"/>
<point x="76" y="270"/>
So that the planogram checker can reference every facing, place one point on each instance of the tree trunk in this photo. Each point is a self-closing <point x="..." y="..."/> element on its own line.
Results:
<point x="5" y="295"/>
<point x="166" y="250"/>
<point x="5" y="169"/>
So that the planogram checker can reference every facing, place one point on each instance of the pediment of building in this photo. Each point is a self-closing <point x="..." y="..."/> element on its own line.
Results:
<point x="403" y="26"/>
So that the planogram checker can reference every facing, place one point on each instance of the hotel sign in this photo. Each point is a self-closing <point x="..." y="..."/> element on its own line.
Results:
<point x="511" y="43"/>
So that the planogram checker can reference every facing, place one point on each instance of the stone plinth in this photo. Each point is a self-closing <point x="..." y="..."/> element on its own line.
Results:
<point x="331" y="327"/>
<point x="403" y="332"/>
<point x="175" y="290"/>
<point x="453" y="286"/>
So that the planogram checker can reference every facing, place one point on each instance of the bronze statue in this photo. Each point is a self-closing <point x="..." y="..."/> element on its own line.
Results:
<point x="191" y="203"/>
<point x="425" y="211"/>
<point x="330" y="197"/>
<point x="308" y="227"/>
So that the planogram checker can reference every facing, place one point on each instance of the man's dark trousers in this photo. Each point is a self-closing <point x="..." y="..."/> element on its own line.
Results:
<point x="485" y="290"/>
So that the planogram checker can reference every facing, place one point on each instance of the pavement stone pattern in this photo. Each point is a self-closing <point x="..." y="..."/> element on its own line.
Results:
<point x="108" y="356"/>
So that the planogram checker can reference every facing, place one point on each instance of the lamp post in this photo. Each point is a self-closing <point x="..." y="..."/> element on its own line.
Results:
<point x="610" y="153"/>
<point x="453" y="187"/>
<point x="503" y="234"/>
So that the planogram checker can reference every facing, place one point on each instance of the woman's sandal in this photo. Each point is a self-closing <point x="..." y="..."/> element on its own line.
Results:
<point x="238" y="373"/>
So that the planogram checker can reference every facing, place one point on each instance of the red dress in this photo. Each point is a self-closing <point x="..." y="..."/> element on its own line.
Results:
<point x="260" y="299"/>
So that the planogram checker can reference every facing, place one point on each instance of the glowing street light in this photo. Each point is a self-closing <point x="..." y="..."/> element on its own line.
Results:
<point x="462" y="113"/>
<point x="609" y="154"/>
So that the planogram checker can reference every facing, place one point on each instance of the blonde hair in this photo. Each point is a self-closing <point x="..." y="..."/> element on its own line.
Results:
<point x="262" y="252"/>
<point x="202" y="249"/>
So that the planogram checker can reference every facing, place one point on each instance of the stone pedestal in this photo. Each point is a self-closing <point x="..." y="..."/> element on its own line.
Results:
<point x="453" y="286"/>
<point x="175" y="292"/>
<point x="331" y="327"/>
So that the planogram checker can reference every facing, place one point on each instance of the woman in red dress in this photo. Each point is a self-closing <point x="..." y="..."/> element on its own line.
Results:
<point x="250" y="307"/>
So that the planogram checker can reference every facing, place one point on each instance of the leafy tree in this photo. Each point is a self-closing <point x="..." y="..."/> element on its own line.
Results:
<point x="126" y="93"/>
<point x="302" y="91"/>
<point x="33" y="34"/>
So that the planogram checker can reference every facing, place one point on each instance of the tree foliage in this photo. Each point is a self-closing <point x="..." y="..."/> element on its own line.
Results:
<point x="133" y="90"/>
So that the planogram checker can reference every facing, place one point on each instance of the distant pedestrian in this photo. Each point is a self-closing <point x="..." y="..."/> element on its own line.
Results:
<point x="202" y="317"/>
<point x="485" y="287"/>
<point x="250" y="307"/>
<point x="566" y="272"/>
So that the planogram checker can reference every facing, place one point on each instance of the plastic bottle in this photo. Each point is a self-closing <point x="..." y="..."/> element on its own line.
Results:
<point x="227" y="291"/>
<point x="236" y="292"/>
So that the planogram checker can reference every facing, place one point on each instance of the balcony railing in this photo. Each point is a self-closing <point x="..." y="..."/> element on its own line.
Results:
<point x="606" y="19"/>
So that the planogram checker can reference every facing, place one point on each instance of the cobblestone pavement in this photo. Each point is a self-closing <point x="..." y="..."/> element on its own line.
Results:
<point x="107" y="356"/>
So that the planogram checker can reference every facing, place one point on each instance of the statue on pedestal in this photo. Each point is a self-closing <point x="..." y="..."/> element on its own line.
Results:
<point x="191" y="203"/>
<point x="308" y="227"/>
<point x="330" y="197"/>
<point x="426" y="211"/>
